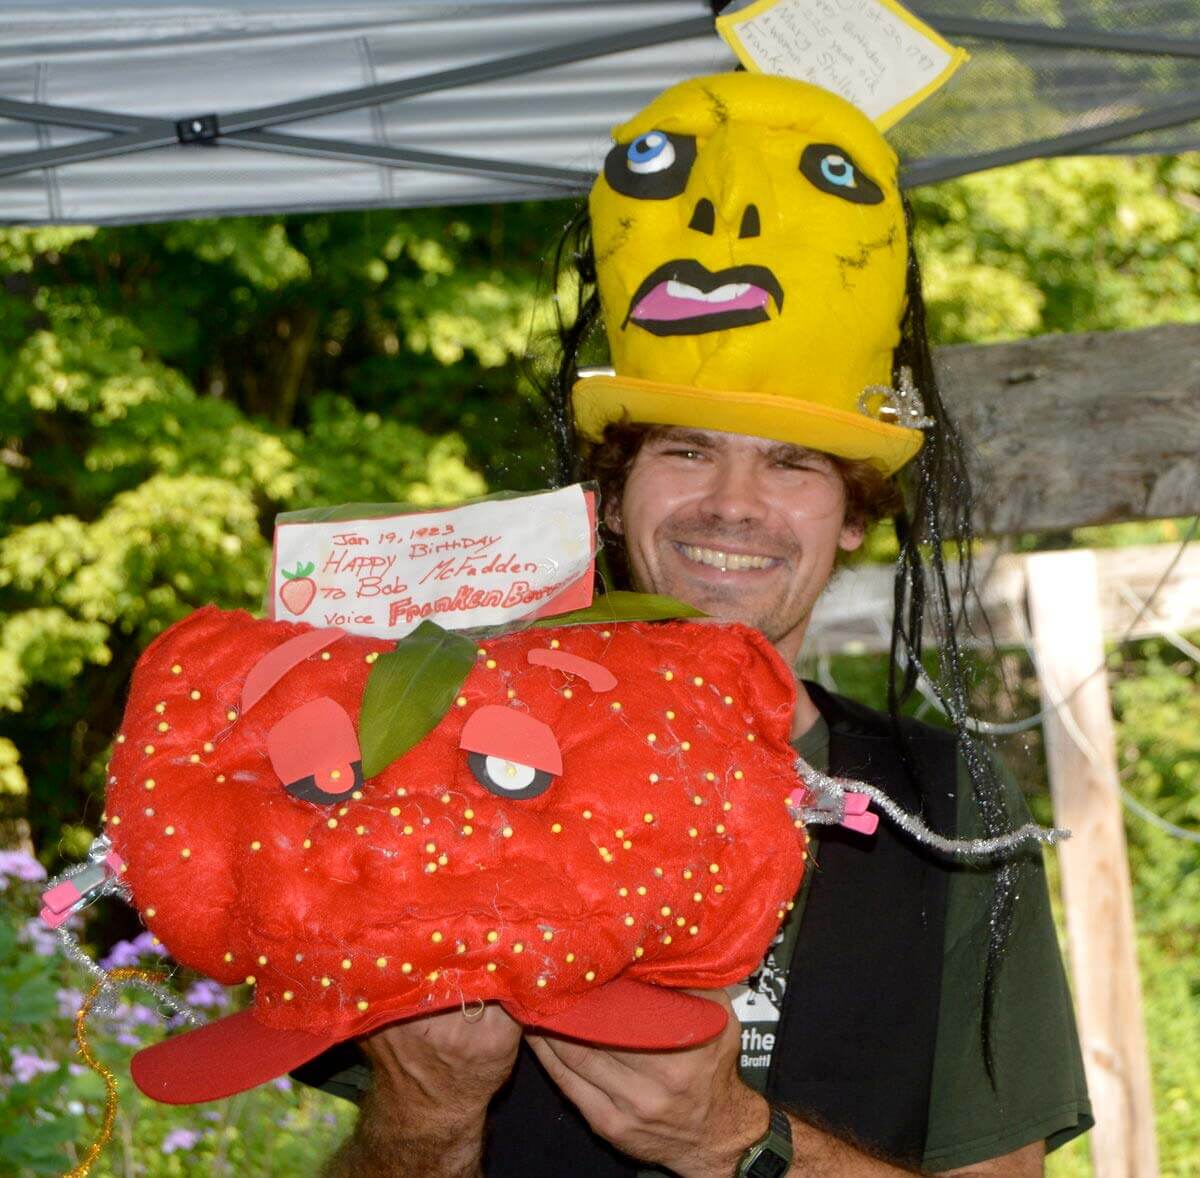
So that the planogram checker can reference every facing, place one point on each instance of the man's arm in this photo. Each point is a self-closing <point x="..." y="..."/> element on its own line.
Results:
<point x="1027" y="1162"/>
<point x="821" y="1153"/>
<point x="432" y="1080"/>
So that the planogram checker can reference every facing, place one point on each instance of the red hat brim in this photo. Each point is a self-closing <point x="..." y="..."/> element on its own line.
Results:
<point x="237" y="1052"/>
<point x="638" y="1017"/>
<point x="224" y="1057"/>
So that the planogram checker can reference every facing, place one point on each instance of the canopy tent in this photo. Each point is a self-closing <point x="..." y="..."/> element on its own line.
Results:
<point x="134" y="110"/>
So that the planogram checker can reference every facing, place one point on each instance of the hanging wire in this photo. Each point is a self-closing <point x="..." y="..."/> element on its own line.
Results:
<point x="1167" y="827"/>
<point x="1025" y="724"/>
<point x="1176" y="639"/>
<point x="1077" y="735"/>
<point x="1085" y="745"/>
<point x="1059" y="704"/>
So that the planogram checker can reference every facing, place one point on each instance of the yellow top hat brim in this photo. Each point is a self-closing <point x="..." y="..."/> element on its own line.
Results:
<point x="601" y="400"/>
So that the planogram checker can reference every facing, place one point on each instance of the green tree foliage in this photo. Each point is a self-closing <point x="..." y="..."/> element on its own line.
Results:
<point x="1064" y="245"/>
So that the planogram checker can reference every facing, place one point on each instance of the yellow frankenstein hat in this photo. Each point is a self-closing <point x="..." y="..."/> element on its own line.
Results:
<point x="751" y="256"/>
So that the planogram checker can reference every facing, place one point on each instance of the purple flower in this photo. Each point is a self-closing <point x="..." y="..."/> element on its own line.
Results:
<point x="128" y="1039"/>
<point x="283" y="1083"/>
<point x="125" y="953"/>
<point x="180" y="1139"/>
<point x="138" y="1015"/>
<point x="211" y="1114"/>
<point x="69" y="1001"/>
<point x="40" y="937"/>
<point x="206" y="992"/>
<point x="120" y="955"/>
<point x="27" y="1064"/>
<point x="127" y="1015"/>
<point x="19" y="865"/>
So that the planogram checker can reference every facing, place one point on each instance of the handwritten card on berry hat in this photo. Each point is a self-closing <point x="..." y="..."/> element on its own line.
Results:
<point x="381" y="569"/>
<point x="874" y="53"/>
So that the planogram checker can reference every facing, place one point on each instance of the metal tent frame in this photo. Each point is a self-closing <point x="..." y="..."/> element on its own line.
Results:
<point x="254" y="128"/>
<point x="247" y="128"/>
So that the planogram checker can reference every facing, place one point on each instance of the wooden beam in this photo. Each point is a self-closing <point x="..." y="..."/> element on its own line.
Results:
<point x="853" y="616"/>
<point x="1068" y="430"/>
<point x="1081" y="756"/>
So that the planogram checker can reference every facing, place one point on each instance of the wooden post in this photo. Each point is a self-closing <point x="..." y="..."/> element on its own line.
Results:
<point x="1081" y="756"/>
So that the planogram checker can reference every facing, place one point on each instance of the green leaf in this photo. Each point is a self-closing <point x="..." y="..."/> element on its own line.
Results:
<point x="621" y="606"/>
<point x="408" y="692"/>
<point x="40" y="1147"/>
<point x="31" y="1003"/>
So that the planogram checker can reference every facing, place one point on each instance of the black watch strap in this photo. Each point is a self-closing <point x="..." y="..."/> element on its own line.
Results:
<point x="771" y="1155"/>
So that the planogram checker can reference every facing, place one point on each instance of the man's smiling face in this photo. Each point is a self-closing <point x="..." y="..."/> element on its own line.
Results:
<point x="743" y="528"/>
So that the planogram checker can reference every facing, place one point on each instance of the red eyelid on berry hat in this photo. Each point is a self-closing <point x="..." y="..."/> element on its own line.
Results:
<point x="312" y="740"/>
<point x="597" y="677"/>
<point x="496" y="731"/>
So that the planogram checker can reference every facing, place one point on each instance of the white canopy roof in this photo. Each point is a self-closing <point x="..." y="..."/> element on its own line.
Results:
<point x="138" y="111"/>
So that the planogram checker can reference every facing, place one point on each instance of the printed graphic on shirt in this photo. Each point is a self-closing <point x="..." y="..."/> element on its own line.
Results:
<point x="758" y="1000"/>
<point x="757" y="1003"/>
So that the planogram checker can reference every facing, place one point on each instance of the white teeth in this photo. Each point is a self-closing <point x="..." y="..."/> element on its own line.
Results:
<point x="731" y="290"/>
<point x="723" y="294"/>
<point x="726" y="561"/>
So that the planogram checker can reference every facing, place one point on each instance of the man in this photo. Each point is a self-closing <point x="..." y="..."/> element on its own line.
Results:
<point x="742" y="448"/>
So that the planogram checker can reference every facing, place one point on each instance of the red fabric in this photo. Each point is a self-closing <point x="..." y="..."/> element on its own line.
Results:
<point x="544" y="889"/>
<point x="269" y="670"/>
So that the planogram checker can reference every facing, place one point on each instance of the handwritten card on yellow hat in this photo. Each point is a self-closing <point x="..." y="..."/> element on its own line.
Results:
<point x="874" y="53"/>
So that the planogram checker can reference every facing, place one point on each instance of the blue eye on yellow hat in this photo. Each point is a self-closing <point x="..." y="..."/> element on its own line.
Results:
<point x="751" y="257"/>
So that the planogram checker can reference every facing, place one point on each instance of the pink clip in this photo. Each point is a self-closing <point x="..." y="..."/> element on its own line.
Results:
<point x="60" y="902"/>
<point x="69" y="896"/>
<point x="855" y="815"/>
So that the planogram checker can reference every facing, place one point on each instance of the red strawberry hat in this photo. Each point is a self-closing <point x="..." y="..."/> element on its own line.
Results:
<point x="577" y="822"/>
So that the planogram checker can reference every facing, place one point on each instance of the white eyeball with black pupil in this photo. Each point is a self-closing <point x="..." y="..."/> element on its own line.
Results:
<point x="651" y="152"/>
<point x="509" y="775"/>
<point x="508" y="779"/>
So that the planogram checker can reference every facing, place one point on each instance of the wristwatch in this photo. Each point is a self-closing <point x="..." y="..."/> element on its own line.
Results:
<point x="771" y="1155"/>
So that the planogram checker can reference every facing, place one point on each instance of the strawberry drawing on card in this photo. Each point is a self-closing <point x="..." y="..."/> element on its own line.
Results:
<point x="298" y="589"/>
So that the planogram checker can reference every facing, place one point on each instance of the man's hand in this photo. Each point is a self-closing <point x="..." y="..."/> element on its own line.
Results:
<point x="451" y="1063"/>
<point x="432" y="1080"/>
<point x="686" y="1110"/>
<point x="689" y="1111"/>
